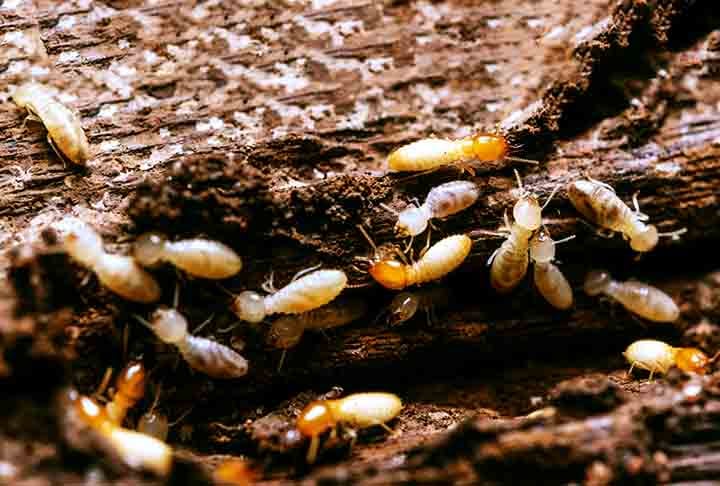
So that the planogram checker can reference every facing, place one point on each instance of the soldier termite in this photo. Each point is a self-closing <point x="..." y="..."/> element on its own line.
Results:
<point x="65" y="133"/>
<point x="439" y="260"/>
<point x="549" y="280"/>
<point x="287" y="331"/>
<point x="509" y="263"/>
<point x="357" y="411"/>
<point x="196" y="256"/>
<point x="307" y="291"/>
<point x="599" y="204"/>
<point x="637" y="297"/>
<point x="405" y="305"/>
<point x="432" y="153"/>
<point x="138" y="451"/>
<point x="202" y="354"/>
<point x="119" y="273"/>
<point x="442" y="201"/>
<point x="659" y="357"/>
<point x="129" y="389"/>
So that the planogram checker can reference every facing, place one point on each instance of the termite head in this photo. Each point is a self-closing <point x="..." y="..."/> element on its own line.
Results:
<point x="596" y="282"/>
<point x="316" y="418"/>
<point x="154" y="424"/>
<point x="131" y="382"/>
<point x="692" y="360"/>
<point x="542" y="248"/>
<point x="402" y="308"/>
<point x="489" y="148"/>
<point x="249" y="306"/>
<point x="87" y="409"/>
<point x="411" y="221"/>
<point x="169" y="325"/>
<point x="645" y="239"/>
<point x="389" y="273"/>
<point x="81" y="241"/>
<point x="148" y="249"/>
<point x="528" y="213"/>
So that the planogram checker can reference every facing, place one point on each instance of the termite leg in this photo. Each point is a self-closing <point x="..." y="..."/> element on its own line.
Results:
<point x="674" y="235"/>
<point x="552" y="194"/>
<point x="176" y="295"/>
<point x="230" y="327"/>
<point x="282" y="360"/>
<point x="204" y="323"/>
<point x="269" y="284"/>
<point x="604" y="184"/>
<point x="125" y="340"/>
<point x="632" y="365"/>
<point x="105" y="382"/>
<point x="60" y="155"/>
<point x="652" y="372"/>
<point x="313" y="449"/>
<point x="639" y="214"/>
<point x="305" y="271"/>
<point x="427" y="244"/>
<point x="384" y="426"/>
<point x="492" y="257"/>
<point x="409" y="245"/>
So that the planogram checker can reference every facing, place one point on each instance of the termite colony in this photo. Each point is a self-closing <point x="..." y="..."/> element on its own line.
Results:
<point x="309" y="301"/>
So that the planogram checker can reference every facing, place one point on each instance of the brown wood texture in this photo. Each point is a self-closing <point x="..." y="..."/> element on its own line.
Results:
<point x="266" y="125"/>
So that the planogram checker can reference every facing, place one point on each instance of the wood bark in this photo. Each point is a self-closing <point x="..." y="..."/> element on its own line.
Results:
<point x="267" y="126"/>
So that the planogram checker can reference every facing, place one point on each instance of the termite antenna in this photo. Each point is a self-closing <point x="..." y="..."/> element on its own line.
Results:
<point x="519" y="181"/>
<point x="104" y="383"/>
<point x="524" y="161"/>
<point x="552" y="194"/>
<point x="282" y="360"/>
<point x="674" y="235"/>
<point x="221" y="287"/>
<point x="143" y="322"/>
<point x="388" y="208"/>
<point x="367" y="237"/>
<point x="176" y="295"/>
<point x="564" y="240"/>
<point x="230" y="327"/>
<point x="181" y="417"/>
<point x="204" y="323"/>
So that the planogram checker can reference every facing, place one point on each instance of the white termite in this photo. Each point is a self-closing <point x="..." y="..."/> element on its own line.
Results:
<point x="549" y="280"/>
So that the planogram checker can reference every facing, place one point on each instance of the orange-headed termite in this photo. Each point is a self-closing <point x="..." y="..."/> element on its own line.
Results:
<point x="129" y="389"/>
<point x="119" y="273"/>
<point x="439" y="260"/>
<point x="599" y="204"/>
<point x="202" y="354"/>
<point x="442" y="201"/>
<point x="138" y="451"/>
<point x="659" y="357"/>
<point x="357" y="411"/>
<point x="549" y="280"/>
<point x="637" y="297"/>
<point x="303" y="294"/>
<point x="65" y="133"/>
<point x="196" y="256"/>
<point x="432" y="153"/>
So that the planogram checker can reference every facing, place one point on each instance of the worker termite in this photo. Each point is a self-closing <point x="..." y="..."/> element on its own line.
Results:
<point x="129" y="389"/>
<point x="202" y="354"/>
<point x="307" y="291"/>
<point x="549" y="280"/>
<point x="432" y="153"/>
<point x="287" y="331"/>
<point x="659" y="357"/>
<point x="356" y="411"/>
<point x="509" y="263"/>
<point x="138" y="451"/>
<point x="119" y="273"/>
<point x="642" y="299"/>
<point x="197" y="256"/>
<point x="442" y="201"/>
<point x="154" y="423"/>
<point x="405" y="305"/>
<point x="65" y="133"/>
<point x="439" y="260"/>
<point x="599" y="204"/>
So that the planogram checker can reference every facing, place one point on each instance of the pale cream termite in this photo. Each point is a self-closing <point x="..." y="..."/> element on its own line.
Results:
<point x="287" y="330"/>
<point x="119" y="273"/>
<point x="658" y="357"/>
<point x="549" y="280"/>
<point x="196" y="256"/>
<point x="65" y="133"/>
<point x="599" y="204"/>
<point x="357" y="411"/>
<point x="202" y="354"/>
<point x="303" y="294"/>
<point x="129" y="389"/>
<point x="509" y="263"/>
<point x="439" y="260"/>
<point x="432" y="153"/>
<point x="137" y="450"/>
<point x="442" y="201"/>
<point x="637" y="297"/>
<point x="405" y="305"/>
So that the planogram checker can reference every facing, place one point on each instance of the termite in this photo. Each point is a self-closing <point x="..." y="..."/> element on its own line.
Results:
<point x="119" y="273"/>
<point x="235" y="472"/>
<point x="129" y="389"/>
<point x="65" y="133"/>
<point x="432" y="153"/>
<point x="304" y="293"/>
<point x="549" y="280"/>
<point x="442" y="201"/>
<point x="405" y="305"/>
<point x="202" y="354"/>
<point x="138" y="451"/>
<point x="637" y="297"/>
<point x="599" y="204"/>
<point x="196" y="256"/>
<point x="509" y="263"/>
<point x="439" y="260"/>
<point x="357" y="411"/>
<point x="287" y="331"/>
<point x="659" y="357"/>
<point x="154" y="423"/>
